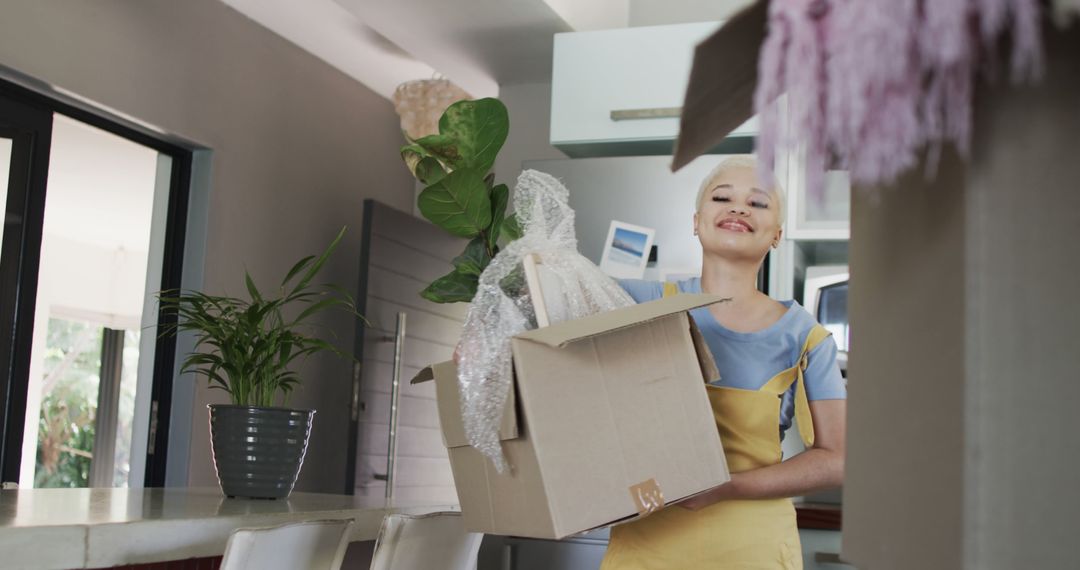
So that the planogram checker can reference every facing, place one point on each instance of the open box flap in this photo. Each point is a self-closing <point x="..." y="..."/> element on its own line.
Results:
<point x="720" y="92"/>
<point x="428" y="373"/>
<point x="449" y="403"/>
<point x="561" y="334"/>
<point x="709" y="371"/>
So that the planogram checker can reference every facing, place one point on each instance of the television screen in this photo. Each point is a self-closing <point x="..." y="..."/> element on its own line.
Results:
<point x="832" y="312"/>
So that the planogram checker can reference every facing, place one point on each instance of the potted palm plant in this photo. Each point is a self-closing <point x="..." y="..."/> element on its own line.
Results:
<point x="248" y="348"/>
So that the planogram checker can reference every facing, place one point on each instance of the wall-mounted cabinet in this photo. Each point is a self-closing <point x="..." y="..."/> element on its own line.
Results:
<point x="817" y="215"/>
<point x="619" y="92"/>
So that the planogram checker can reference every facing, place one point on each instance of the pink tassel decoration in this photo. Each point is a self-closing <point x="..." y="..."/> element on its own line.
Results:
<point x="872" y="82"/>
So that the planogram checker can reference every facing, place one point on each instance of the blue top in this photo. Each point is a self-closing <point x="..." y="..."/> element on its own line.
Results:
<point x="749" y="360"/>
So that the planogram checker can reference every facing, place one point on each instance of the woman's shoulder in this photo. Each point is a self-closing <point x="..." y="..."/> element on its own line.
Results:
<point x="642" y="290"/>
<point x="798" y="321"/>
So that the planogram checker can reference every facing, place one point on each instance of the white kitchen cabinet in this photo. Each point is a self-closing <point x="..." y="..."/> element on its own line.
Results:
<point x="619" y="92"/>
<point x="816" y="215"/>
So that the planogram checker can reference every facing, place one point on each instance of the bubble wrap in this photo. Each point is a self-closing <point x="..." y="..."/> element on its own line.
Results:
<point x="502" y="308"/>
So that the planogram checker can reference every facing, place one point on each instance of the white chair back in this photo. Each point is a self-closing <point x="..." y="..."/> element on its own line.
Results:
<point x="311" y="545"/>
<point x="425" y="542"/>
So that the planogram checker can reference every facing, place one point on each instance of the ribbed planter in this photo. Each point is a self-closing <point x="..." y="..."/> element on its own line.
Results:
<point x="258" y="451"/>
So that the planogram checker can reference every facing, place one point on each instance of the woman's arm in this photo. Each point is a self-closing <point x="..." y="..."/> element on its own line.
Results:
<point x="818" y="468"/>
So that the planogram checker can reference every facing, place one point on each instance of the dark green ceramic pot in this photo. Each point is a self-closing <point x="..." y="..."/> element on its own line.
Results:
<point x="258" y="451"/>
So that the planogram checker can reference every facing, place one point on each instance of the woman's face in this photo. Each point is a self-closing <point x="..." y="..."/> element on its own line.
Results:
<point x="738" y="216"/>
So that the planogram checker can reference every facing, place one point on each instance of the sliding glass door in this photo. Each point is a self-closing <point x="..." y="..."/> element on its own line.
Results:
<point x="93" y="228"/>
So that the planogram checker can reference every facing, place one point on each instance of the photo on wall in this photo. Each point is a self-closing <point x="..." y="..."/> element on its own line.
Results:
<point x="626" y="250"/>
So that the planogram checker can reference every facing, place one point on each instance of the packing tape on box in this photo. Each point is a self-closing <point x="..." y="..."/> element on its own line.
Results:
<point x="648" y="498"/>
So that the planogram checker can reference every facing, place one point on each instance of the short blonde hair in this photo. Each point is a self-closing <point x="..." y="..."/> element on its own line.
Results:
<point x="737" y="162"/>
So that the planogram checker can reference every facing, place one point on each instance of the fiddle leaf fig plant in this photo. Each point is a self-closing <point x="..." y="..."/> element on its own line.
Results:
<point x="247" y="347"/>
<point x="460" y="194"/>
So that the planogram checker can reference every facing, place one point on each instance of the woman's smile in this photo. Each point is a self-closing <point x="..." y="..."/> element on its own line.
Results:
<point x="735" y="225"/>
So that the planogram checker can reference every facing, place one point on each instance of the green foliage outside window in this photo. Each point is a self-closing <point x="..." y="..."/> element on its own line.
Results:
<point x="69" y="404"/>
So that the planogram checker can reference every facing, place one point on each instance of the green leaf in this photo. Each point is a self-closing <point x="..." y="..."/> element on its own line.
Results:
<point x="473" y="260"/>
<point x="300" y="265"/>
<point x="451" y="288"/>
<point x="511" y="229"/>
<point x="318" y="307"/>
<point x="254" y="292"/>
<point x="470" y="134"/>
<point x="480" y="127"/>
<point x="317" y="265"/>
<point x="441" y="146"/>
<point x="500" y="197"/>
<point x="458" y="203"/>
<point x="429" y="171"/>
<point x="423" y="165"/>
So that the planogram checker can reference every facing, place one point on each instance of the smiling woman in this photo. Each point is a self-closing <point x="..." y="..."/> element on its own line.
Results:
<point x="731" y="166"/>
<point x="776" y="364"/>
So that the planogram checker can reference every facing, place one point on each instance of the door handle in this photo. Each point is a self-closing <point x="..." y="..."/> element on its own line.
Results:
<point x="650" y="113"/>
<point x="395" y="397"/>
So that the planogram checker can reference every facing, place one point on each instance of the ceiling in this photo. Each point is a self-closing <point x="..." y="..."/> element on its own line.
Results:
<point x="478" y="44"/>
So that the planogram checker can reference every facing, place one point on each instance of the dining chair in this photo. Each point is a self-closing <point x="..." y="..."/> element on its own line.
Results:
<point x="311" y="545"/>
<point x="424" y="542"/>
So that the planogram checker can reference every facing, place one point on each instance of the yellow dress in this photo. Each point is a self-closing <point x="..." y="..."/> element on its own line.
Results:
<point x="742" y="534"/>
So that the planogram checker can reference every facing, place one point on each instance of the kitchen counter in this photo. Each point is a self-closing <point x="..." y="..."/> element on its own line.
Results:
<point x="46" y="529"/>
<point x="820" y="516"/>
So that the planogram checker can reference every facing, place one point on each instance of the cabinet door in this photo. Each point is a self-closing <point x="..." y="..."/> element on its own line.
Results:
<point x="812" y="215"/>
<point x="635" y="73"/>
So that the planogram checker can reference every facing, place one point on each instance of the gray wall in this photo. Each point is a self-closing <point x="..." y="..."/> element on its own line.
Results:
<point x="297" y="147"/>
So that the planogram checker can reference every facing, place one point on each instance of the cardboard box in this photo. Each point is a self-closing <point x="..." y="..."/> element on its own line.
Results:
<point x="604" y="410"/>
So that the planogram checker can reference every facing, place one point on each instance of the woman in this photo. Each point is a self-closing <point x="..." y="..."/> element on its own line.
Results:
<point x="776" y="362"/>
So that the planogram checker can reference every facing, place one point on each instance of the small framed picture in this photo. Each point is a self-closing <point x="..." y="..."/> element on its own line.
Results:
<point x="626" y="250"/>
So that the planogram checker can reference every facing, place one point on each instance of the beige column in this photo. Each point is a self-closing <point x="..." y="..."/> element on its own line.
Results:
<point x="963" y="443"/>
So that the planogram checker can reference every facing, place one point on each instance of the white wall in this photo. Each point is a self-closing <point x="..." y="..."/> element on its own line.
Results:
<point x="297" y="147"/>
<point x="639" y="190"/>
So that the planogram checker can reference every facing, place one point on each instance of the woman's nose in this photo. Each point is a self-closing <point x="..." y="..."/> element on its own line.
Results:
<point x="738" y="210"/>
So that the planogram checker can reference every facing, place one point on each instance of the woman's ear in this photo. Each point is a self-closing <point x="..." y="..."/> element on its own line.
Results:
<point x="779" y="236"/>
<point x="695" y="222"/>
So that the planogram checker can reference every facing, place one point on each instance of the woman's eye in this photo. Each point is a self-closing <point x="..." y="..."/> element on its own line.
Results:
<point x="721" y="199"/>
<point x="759" y="205"/>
